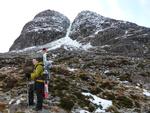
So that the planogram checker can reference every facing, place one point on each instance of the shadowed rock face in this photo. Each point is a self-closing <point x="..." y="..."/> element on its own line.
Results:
<point x="45" y="27"/>
<point x="111" y="36"/>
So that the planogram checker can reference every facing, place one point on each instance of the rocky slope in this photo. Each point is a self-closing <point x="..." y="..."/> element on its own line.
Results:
<point x="124" y="81"/>
<point x="46" y="26"/>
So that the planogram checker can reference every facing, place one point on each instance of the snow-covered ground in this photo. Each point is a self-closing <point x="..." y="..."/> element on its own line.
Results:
<point x="106" y="71"/>
<point x="83" y="111"/>
<point x="146" y="93"/>
<point x="99" y="102"/>
<point x="71" y="69"/>
<point x="66" y="42"/>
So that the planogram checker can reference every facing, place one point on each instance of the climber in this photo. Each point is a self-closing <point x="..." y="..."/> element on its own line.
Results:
<point x="37" y="83"/>
<point x="47" y="66"/>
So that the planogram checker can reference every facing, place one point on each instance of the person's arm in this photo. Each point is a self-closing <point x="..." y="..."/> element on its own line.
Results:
<point x="44" y="59"/>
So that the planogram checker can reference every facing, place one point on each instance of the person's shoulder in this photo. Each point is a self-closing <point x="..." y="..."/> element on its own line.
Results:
<point x="40" y="64"/>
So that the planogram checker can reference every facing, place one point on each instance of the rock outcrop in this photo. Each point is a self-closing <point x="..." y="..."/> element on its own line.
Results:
<point x="46" y="26"/>
<point x="111" y="36"/>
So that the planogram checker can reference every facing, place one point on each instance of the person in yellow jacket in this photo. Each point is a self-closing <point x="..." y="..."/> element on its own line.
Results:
<point x="37" y="83"/>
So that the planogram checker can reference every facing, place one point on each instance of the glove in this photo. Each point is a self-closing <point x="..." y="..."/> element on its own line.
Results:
<point x="28" y="75"/>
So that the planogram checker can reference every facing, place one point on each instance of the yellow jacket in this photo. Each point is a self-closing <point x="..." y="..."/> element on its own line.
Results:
<point x="37" y="74"/>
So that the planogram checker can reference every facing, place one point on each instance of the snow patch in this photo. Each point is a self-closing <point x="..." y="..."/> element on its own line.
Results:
<point x="23" y="50"/>
<point x="146" y="93"/>
<point x="105" y="46"/>
<point x="66" y="42"/>
<point x="145" y="49"/>
<point x="145" y="34"/>
<point x="18" y="102"/>
<point x="117" y="38"/>
<point x="71" y="69"/>
<point x="86" y="46"/>
<point x="83" y="111"/>
<point x="103" y="29"/>
<point x="98" y="31"/>
<point x="107" y="71"/>
<point x="137" y="87"/>
<point x="126" y="32"/>
<point x="99" y="101"/>
<point x="124" y="82"/>
<point x="36" y="29"/>
<point x="11" y="101"/>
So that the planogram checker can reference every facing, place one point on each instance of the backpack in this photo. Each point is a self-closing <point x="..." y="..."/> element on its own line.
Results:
<point x="47" y="67"/>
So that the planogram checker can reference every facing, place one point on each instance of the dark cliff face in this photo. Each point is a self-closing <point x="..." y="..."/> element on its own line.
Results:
<point x="107" y="35"/>
<point x="45" y="27"/>
<point x="111" y="36"/>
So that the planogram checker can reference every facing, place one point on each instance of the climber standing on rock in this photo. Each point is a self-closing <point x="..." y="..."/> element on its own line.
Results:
<point x="37" y="83"/>
<point x="47" y="66"/>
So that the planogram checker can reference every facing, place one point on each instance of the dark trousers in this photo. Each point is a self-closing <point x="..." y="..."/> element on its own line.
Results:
<point x="31" y="94"/>
<point x="38" y="88"/>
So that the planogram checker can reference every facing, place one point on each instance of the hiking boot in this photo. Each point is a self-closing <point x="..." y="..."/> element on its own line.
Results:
<point x="31" y="104"/>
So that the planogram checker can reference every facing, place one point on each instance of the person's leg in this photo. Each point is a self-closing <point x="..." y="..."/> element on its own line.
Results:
<point x="48" y="70"/>
<point x="39" y="94"/>
<point x="49" y="75"/>
<point x="31" y="94"/>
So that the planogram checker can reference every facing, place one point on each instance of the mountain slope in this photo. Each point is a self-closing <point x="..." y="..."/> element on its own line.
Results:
<point x="110" y="35"/>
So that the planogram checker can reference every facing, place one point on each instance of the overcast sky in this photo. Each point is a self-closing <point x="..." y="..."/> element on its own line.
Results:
<point x="16" y="13"/>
